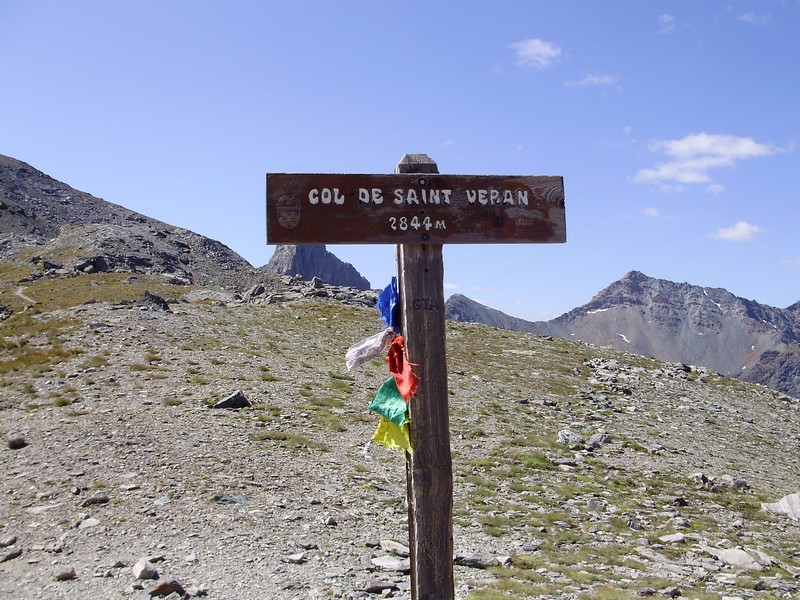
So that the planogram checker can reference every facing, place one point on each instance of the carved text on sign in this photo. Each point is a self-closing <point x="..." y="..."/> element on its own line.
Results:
<point x="420" y="196"/>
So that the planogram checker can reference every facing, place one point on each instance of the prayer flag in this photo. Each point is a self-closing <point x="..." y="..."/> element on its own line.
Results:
<point x="391" y="435"/>
<point x="407" y="381"/>
<point x="389" y="403"/>
<point x="388" y="305"/>
<point x="367" y="349"/>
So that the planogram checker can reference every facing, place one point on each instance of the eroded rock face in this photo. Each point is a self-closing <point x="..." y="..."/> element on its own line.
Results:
<point x="314" y="261"/>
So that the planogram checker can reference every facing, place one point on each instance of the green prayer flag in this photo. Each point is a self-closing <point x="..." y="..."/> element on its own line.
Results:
<point x="389" y="403"/>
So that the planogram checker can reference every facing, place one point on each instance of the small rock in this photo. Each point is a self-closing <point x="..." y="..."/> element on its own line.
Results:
<point x="16" y="441"/>
<point x="678" y="522"/>
<point x="475" y="562"/>
<point x="235" y="400"/>
<point x="395" y="548"/>
<point x="674" y="538"/>
<point x="96" y="499"/>
<point x="9" y="541"/>
<point x="165" y="588"/>
<point x="330" y="522"/>
<point x="87" y="523"/>
<point x="377" y="586"/>
<point x="598" y="439"/>
<point x="37" y="510"/>
<point x="671" y="592"/>
<point x="567" y="437"/>
<point x="734" y="482"/>
<point x="392" y="563"/>
<point x="11" y="555"/>
<point x="296" y="559"/>
<point x="197" y="592"/>
<point x="308" y="545"/>
<point x="144" y="569"/>
<point x="66" y="574"/>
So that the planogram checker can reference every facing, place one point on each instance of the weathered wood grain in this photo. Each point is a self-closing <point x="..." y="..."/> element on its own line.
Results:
<point x="429" y="468"/>
<point x="401" y="208"/>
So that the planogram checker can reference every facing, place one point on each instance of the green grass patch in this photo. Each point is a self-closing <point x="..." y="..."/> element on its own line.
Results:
<point x="288" y="440"/>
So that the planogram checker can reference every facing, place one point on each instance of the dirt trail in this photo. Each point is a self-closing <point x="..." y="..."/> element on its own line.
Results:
<point x="20" y="291"/>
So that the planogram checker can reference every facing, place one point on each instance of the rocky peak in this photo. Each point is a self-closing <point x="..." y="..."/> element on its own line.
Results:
<point x="309" y="261"/>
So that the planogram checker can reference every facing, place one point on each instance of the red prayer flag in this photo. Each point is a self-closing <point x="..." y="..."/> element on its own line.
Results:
<point x="407" y="381"/>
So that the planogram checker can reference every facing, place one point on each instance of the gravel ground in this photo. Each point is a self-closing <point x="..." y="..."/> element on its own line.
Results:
<point x="124" y="470"/>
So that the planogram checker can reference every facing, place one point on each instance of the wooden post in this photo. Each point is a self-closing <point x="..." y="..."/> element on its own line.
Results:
<point x="429" y="468"/>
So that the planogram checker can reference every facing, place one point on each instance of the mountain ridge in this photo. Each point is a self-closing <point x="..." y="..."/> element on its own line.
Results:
<point x="677" y="322"/>
<point x="77" y="230"/>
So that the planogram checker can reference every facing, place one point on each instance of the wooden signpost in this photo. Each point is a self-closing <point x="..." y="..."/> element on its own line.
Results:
<point x="419" y="210"/>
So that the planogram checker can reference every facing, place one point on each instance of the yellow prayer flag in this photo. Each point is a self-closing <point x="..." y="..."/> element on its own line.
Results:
<point x="391" y="435"/>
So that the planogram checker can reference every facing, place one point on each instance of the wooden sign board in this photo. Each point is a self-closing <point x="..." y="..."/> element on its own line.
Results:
<point x="307" y="208"/>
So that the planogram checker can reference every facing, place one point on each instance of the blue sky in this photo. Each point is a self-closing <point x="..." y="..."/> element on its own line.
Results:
<point x="674" y="124"/>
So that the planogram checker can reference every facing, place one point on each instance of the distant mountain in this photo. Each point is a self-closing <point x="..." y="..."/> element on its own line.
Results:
<point x="314" y="261"/>
<point x="461" y="308"/>
<point x="677" y="322"/>
<point x="74" y="230"/>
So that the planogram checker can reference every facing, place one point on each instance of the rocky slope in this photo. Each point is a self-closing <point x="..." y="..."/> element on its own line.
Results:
<point x="677" y="322"/>
<point x="308" y="262"/>
<point x="580" y="472"/>
<point x="63" y="228"/>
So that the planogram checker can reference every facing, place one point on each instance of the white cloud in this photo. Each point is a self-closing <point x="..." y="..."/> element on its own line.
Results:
<point x="741" y="232"/>
<point x="752" y="18"/>
<point x="666" y="23"/>
<point x="715" y="189"/>
<point x="450" y="286"/>
<point x="594" y="80"/>
<point x="792" y="261"/>
<point x="534" y="53"/>
<point x="651" y="212"/>
<point x="696" y="154"/>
